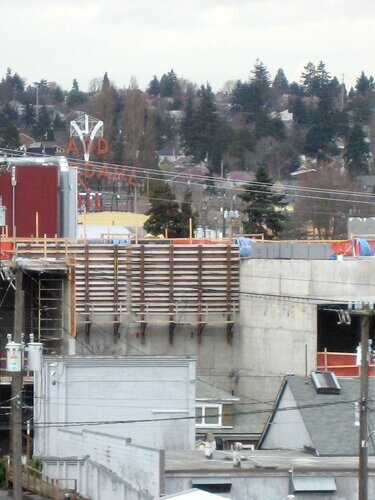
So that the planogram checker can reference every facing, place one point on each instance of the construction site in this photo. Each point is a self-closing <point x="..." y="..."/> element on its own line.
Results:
<point x="247" y="310"/>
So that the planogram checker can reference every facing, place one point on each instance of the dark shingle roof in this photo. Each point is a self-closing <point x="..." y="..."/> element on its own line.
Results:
<point x="329" y="418"/>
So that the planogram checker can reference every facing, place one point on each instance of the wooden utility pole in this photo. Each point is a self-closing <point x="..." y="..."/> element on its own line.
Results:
<point x="17" y="379"/>
<point x="365" y="317"/>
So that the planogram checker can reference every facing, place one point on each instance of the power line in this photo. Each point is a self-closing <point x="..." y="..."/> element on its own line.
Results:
<point x="113" y="167"/>
<point x="169" y="419"/>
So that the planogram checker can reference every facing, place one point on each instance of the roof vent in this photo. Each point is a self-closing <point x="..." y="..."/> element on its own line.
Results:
<point x="325" y="383"/>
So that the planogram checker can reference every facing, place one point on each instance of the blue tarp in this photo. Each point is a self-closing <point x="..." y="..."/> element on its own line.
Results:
<point x="364" y="248"/>
<point x="244" y="245"/>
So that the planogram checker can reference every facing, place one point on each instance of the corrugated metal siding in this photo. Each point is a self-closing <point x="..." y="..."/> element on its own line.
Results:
<point x="32" y="196"/>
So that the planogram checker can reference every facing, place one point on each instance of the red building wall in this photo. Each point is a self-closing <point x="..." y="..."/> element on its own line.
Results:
<point x="36" y="190"/>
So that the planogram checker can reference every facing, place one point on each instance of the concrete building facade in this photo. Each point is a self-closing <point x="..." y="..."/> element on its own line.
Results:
<point x="288" y="311"/>
<point x="121" y="396"/>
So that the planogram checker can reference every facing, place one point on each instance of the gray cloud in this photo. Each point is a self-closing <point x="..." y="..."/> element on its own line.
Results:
<point x="203" y="40"/>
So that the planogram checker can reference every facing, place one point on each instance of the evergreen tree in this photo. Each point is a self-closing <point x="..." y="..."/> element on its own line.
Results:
<point x="280" y="83"/>
<point x="29" y="115"/>
<point x="362" y="109"/>
<point x="169" y="86"/>
<point x="10" y="137"/>
<point x="164" y="212"/>
<point x="269" y="127"/>
<point x="263" y="207"/>
<point x="188" y="128"/>
<point x="261" y="78"/>
<point x="301" y="115"/>
<point x="315" y="79"/>
<point x="75" y="85"/>
<point x="356" y="152"/>
<point x="164" y="132"/>
<point x="296" y="89"/>
<point x="308" y="79"/>
<point x="320" y="137"/>
<point x="322" y="79"/>
<point x="260" y="88"/>
<point x="76" y="98"/>
<point x="58" y="94"/>
<point x="240" y="97"/>
<point x="105" y="83"/>
<point x="154" y="87"/>
<point x="364" y="84"/>
<point x="187" y="213"/>
<point x="253" y="97"/>
<point x="58" y="123"/>
<point x="43" y="127"/>
<point x="203" y="131"/>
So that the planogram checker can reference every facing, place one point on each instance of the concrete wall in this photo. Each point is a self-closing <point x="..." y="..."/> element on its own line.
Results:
<point x="214" y="354"/>
<point x="113" y="468"/>
<point x="272" y="485"/>
<point x="278" y="316"/>
<point x="79" y="390"/>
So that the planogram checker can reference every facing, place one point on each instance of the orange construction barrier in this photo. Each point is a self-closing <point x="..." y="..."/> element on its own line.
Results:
<point x="6" y="250"/>
<point x="342" y="364"/>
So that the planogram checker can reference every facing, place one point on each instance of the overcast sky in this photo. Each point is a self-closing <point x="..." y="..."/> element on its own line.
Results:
<point x="202" y="40"/>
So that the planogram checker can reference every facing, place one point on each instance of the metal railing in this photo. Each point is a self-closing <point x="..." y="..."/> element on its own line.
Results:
<point x="35" y="481"/>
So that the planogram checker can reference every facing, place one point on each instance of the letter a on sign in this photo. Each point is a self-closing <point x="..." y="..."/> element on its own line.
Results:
<point x="72" y="147"/>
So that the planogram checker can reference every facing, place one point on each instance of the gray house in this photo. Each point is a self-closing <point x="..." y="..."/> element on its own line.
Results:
<point x="307" y="419"/>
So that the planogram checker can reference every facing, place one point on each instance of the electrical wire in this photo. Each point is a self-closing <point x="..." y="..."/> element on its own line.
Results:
<point x="5" y="293"/>
<point x="114" y="168"/>
<point x="170" y="419"/>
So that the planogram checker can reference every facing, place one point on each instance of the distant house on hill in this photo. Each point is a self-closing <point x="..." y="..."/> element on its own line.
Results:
<point x="26" y="140"/>
<point x="169" y="154"/>
<point x="285" y="116"/>
<point x="17" y="107"/>
<point x="240" y="177"/>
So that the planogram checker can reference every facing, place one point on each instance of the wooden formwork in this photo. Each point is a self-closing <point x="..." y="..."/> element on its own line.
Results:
<point x="154" y="283"/>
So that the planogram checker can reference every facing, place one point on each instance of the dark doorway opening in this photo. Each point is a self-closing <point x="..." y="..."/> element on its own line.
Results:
<point x="339" y="337"/>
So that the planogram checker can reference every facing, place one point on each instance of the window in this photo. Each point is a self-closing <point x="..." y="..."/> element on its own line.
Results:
<point x="214" y="488"/>
<point x="208" y="415"/>
<point x="325" y="383"/>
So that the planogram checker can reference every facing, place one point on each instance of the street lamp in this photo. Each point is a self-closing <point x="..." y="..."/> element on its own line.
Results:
<point x="37" y="86"/>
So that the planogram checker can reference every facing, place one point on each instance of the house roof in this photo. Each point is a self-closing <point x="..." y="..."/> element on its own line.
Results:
<point x="258" y="462"/>
<point x="328" y="418"/>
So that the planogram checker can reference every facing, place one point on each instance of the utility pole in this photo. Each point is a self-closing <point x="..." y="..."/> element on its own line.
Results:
<point x="365" y="311"/>
<point x="365" y="318"/>
<point x="17" y="379"/>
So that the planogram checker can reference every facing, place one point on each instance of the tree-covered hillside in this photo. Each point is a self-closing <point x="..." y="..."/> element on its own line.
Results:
<point x="265" y="122"/>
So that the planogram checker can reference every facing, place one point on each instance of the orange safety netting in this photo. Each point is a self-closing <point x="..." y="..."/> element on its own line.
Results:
<point x="341" y="364"/>
<point x="349" y="248"/>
